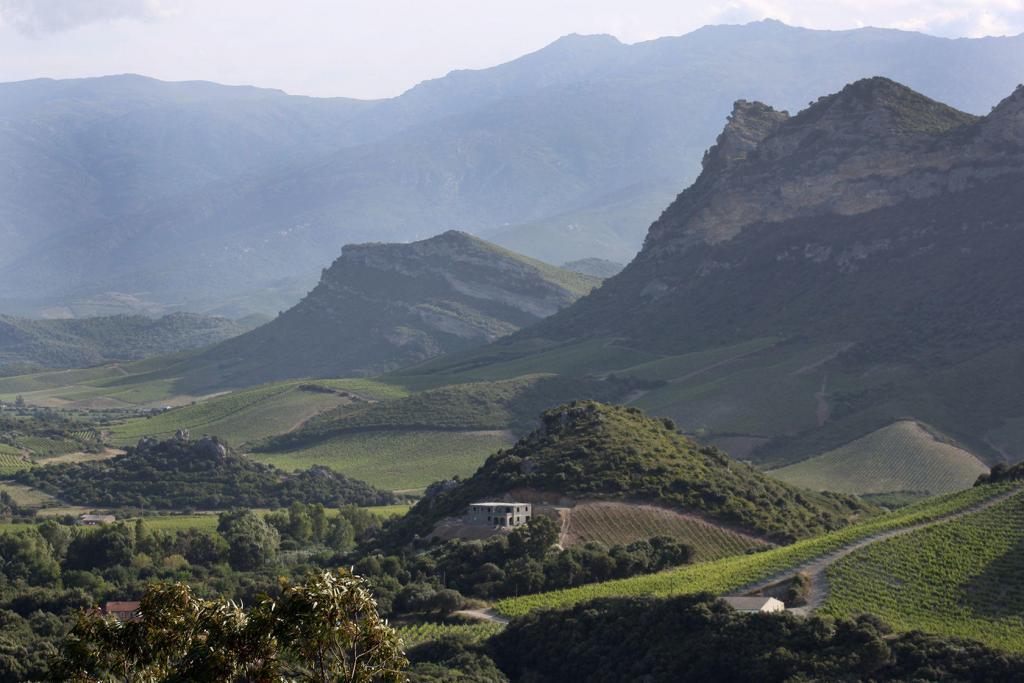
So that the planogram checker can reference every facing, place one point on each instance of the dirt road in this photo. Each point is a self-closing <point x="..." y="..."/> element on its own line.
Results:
<point x="482" y="615"/>
<point x="817" y="567"/>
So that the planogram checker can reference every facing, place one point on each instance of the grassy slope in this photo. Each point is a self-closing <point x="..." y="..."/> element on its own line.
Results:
<point x="622" y="523"/>
<point x="479" y="405"/>
<point x="26" y="496"/>
<point x="722" y="576"/>
<point x="900" y="457"/>
<point x="147" y="382"/>
<point x="247" y="415"/>
<point x="960" y="578"/>
<point x="395" y="460"/>
<point x="576" y="282"/>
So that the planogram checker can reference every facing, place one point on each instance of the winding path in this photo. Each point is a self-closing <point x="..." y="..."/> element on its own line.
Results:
<point x="482" y="615"/>
<point x="816" y="568"/>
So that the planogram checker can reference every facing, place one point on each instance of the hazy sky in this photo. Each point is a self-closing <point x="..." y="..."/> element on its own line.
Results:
<point x="378" y="48"/>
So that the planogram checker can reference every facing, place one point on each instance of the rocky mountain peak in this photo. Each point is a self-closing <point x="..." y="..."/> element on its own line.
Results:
<point x="1003" y="129"/>
<point x="748" y="125"/>
<point x="879" y="107"/>
<point x="874" y="143"/>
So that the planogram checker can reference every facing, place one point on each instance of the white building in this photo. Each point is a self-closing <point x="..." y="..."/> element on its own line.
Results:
<point x="500" y="514"/>
<point x="96" y="520"/>
<point x="755" y="604"/>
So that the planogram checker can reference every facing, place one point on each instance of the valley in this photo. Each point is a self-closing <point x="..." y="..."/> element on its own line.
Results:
<point x="777" y="436"/>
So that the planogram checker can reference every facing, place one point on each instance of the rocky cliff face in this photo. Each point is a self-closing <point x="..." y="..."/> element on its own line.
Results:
<point x="380" y="306"/>
<point x="874" y="144"/>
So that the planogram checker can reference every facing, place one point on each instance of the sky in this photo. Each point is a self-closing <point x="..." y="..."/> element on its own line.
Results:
<point x="379" y="48"/>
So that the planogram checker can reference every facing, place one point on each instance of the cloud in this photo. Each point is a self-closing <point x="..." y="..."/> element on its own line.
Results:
<point x="41" y="17"/>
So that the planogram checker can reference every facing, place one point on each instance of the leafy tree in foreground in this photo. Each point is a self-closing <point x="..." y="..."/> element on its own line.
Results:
<point x="330" y="627"/>
<point x="325" y="629"/>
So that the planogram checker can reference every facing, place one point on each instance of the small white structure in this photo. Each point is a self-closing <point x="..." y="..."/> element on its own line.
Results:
<point x="500" y="514"/>
<point x="755" y="604"/>
<point x="96" y="520"/>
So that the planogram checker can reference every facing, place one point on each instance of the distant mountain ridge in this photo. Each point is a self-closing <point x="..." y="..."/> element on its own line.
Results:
<point x="875" y="234"/>
<point x="147" y="195"/>
<point x="381" y="306"/>
<point x="91" y="341"/>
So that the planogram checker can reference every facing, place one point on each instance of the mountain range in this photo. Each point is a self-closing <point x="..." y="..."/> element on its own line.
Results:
<point x="126" y="193"/>
<point x="828" y="274"/>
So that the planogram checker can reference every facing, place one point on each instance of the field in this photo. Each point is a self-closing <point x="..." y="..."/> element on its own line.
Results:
<point x="396" y="460"/>
<point x="8" y="449"/>
<point x="11" y="463"/>
<point x="46" y="447"/>
<point x="109" y="386"/>
<point x="24" y="495"/>
<point x="81" y="457"/>
<point x="961" y="578"/>
<point x="506" y="361"/>
<point x="416" y="634"/>
<point x="901" y="457"/>
<point x="247" y="415"/>
<point x="203" y="522"/>
<point x="676" y="367"/>
<point x="622" y="523"/>
<point x="721" y="576"/>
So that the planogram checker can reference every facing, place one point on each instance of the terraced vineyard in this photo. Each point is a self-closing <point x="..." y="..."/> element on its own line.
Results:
<point x="901" y="457"/>
<point x="251" y="414"/>
<point x="11" y="463"/>
<point x="721" y="576"/>
<point x="614" y="523"/>
<point x="45" y="447"/>
<point x="395" y="460"/>
<point x="961" y="578"/>
<point x="417" y="634"/>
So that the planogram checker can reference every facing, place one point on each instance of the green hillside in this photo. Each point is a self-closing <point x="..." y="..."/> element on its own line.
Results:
<point x="510" y="404"/>
<point x="91" y="341"/>
<point x="960" y="578"/>
<point x="248" y="415"/>
<point x="729" y="574"/>
<point x="903" y="456"/>
<point x="149" y="382"/>
<point x="396" y="460"/>
<point x="588" y="450"/>
<point x="409" y="442"/>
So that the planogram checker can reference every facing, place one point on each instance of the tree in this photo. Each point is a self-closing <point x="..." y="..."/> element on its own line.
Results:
<point x="340" y="536"/>
<point x="300" y="525"/>
<point x="108" y="546"/>
<point x="331" y="628"/>
<point x="534" y="538"/>
<point x="27" y="556"/>
<point x="324" y="629"/>
<point x="252" y="543"/>
<point x="179" y="637"/>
